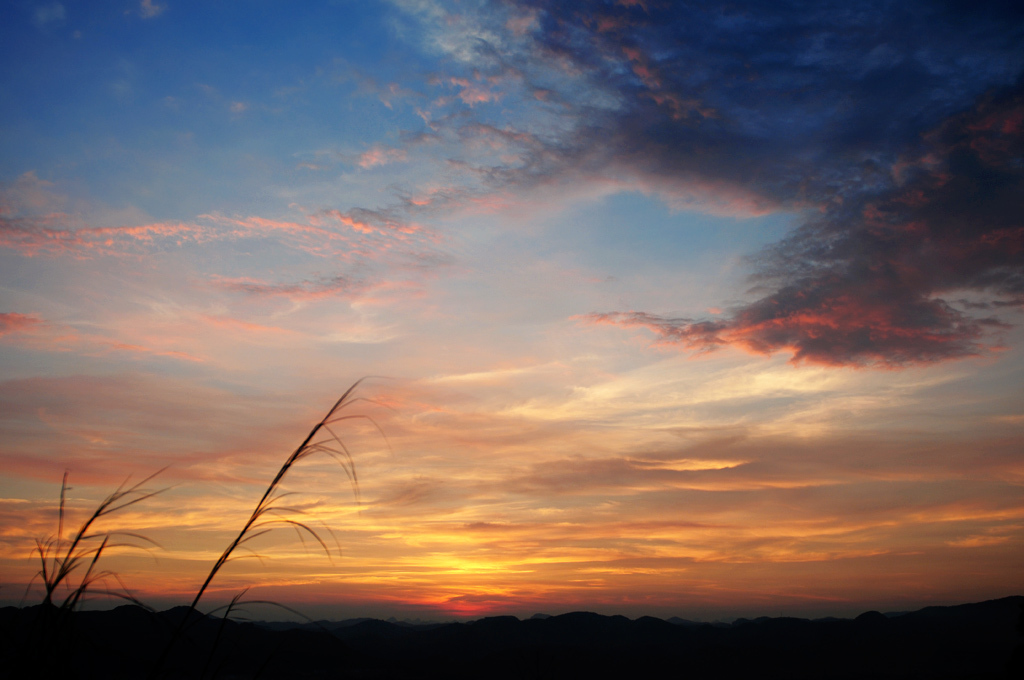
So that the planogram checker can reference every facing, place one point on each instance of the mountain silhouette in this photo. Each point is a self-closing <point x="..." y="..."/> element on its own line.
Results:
<point x="981" y="640"/>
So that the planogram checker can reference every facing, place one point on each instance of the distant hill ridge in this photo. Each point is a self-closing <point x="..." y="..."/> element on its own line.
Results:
<point x="980" y="640"/>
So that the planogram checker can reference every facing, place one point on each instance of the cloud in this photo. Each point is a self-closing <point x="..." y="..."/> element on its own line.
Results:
<point x="149" y="9"/>
<point x="297" y="291"/>
<point x="472" y="93"/>
<point x="12" y="322"/>
<point x="367" y="289"/>
<point x="33" y="223"/>
<point x="391" y="93"/>
<point x="42" y="335"/>
<point x="375" y="257"/>
<point x="381" y="156"/>
<point x="106" y="425"/>
<point x="246" y="328"/>
<point x="51" y="13"/>
<point x="31" y="330"/>
<point x="49" y="235"/>
<point x="903" y="157"/>
<point x="151" y="351"/>
<point x="379" y="222"/>
<point x="863" y="283"/>
<point x="28" y="195"/>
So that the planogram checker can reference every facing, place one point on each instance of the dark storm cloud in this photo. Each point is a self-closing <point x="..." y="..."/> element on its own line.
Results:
<point x="895" y="127"/>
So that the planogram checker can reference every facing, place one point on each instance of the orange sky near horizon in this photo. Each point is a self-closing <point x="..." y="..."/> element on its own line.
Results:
<point x="473" y="507"/>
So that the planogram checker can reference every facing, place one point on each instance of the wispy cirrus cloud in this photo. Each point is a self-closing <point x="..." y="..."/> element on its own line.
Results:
<point x="373" y="258"/>
<point x="52" y="421"/>
<point x="151" y="351"/>
<point x="365" y="290"/>
<point x="370" y="249"/>
<point x="246" y="327"/>
<point x="336" y="286"/>
<point x="32" y="331"/>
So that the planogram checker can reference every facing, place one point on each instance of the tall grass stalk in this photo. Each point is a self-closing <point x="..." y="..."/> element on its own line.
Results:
<point x="268" y="512"/>
<point x="60" y="559"/>
<point x="71" y="564"/>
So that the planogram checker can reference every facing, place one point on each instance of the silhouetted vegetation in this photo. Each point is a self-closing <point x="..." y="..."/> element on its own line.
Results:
<point x="269" y="513"/>
<point x="69" y="568"/>
<point x="54" y="642"/>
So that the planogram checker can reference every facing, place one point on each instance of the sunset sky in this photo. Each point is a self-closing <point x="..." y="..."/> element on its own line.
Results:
<point x="701" y="310"/>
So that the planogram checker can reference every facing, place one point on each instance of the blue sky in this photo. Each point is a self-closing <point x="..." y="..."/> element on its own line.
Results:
<point x="678" y="309"/>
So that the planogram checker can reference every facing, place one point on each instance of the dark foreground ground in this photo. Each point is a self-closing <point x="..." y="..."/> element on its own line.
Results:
<point x="982" y="640"/>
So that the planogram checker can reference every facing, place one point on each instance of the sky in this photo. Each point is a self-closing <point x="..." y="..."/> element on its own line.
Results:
<point x="703" y="310"/>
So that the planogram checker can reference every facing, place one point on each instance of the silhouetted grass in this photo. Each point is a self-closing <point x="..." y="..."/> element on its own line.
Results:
<point x="69" y="570"/>
<point x="268" y="512"/>
<point x="60" y="559"/>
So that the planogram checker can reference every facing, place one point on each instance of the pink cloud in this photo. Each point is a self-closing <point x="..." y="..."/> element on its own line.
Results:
<point x="43" y="235"/>
<point x="54" y="234"/>
<point x="153" y="351"/>
<point x="11" y="322"/>
<point x="394" y="91"/>
<point x="374" y="222"/>
<point x="228" y="323"/>
<point x="498" y="138"/>
<point x="832" y="329"/>
<point x="681" y="107"/>
<point x="36" y="333"/>
<point x="381" y="156"/>
<point x="473" y="93"/>
<point x="642" y="67"/>
<point x="388" y="94"/>
<point x="303" y="290"/>
<point x="29" y="195"/>
<point x="521" y="24"/>
<point x="309" y="237"/>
